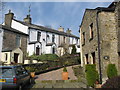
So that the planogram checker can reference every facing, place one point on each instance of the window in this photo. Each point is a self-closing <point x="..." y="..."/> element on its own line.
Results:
<point x="18" y="41"/>
<point x="37" y="50"/>
<point x="53" y="50"/>
<point x="93" y="57"/>
<point x="47" y="38"/>
<point x="7" y="73"/>
<point x="86" y="57"/>
<point x="64" y="40"/>
<point x="6" y="56"/>
<point x="91" y="30"/>
<point x="53" y="38"/>
<point x="38" y="36"/>
<point x="83" y="38"/>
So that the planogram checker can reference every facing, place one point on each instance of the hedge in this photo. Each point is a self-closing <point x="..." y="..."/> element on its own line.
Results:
<point x="44" y="57"/>
<point x="91" y="74"/>
<point x="111" y="71"/>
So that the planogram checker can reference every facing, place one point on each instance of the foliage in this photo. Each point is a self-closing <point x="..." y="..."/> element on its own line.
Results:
<point x="113" y="82"/>
<point x="64" y="69"/>
<point x="69" y="59"/>
<point x="91" y="74"/>
<point x="73" y="49"/>
<point x="44" y="57"/>
<point x="111" y="71"/>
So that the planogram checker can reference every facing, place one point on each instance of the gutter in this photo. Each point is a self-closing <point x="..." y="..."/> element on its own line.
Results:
<point x="99" y="58"/>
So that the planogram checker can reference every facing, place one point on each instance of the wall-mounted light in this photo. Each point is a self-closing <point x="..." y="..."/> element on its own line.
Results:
<point x="106" y="57"/>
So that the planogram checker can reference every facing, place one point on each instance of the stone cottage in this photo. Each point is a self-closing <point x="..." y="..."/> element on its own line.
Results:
<point x="99" y="36"/>
<point x="44" y="40"/>
<point x="14" y="45"/>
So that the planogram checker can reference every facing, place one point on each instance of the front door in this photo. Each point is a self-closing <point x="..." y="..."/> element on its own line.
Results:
<point x="16" y="57"/>
<point x="37" y="50"/>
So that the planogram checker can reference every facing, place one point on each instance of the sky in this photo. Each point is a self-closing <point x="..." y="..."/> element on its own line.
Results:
<point x="53" y="14"/>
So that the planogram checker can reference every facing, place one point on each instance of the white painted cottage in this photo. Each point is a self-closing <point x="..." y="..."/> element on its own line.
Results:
<point x="43" y="40"/>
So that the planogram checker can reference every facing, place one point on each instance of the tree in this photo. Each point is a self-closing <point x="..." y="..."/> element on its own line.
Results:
<point x="73" y="49"/>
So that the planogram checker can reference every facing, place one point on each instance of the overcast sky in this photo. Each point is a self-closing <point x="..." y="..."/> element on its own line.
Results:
<point x="54" y="14"/>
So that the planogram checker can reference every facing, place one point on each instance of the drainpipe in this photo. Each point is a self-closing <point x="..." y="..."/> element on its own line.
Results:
<point x="99" y="59"/>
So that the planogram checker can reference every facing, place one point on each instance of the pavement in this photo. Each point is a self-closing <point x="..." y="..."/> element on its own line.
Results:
<point x="53" y="79"/>
<point x="56" y="75"/>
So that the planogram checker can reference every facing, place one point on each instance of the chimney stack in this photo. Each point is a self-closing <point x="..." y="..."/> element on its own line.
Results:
<point x="8" y="18"/>
<point x="68" y="31"/>
<point x="28" y="19"/>
<point x="61" y="29"/>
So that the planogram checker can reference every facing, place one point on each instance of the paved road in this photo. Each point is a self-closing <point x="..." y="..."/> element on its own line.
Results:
<point x="57" y="75"/>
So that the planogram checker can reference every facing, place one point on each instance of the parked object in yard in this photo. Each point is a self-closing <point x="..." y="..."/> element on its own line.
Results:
<point x="64" y="74"/>
<point x="14" y="76"/>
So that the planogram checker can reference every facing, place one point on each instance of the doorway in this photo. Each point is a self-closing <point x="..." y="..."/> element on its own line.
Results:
<point x="16" y="57"/>
<point x="37" y="50"/>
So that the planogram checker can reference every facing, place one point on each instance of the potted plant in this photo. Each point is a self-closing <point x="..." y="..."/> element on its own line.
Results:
<point x="32" y="72"/>
<point x="64" y="74"/>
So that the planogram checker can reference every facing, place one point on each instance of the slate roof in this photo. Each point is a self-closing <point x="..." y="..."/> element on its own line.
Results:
<point x="9" y="49"/>
<point x="12" y="29"/>
<point x="42" y="28"/>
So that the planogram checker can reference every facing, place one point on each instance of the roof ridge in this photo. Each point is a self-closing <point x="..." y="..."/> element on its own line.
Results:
<point x="49" y="29"/>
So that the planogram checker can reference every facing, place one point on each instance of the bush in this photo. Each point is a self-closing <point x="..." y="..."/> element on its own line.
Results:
<point x="91" y="74"/>
<point x="111" y="71"/>
<point x="73" y="49"/>
<point x="112" y="83"/>
<point x="64" y="69"/>
<point x="44" y="57"/>
<point x="69" y="59"/>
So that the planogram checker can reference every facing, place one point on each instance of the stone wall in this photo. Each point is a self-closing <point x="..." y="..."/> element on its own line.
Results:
<point x="108" y="40"/>
<point x="117" y="17"/>
<point x="9" y="41"/>
<point x="90" y="45"/>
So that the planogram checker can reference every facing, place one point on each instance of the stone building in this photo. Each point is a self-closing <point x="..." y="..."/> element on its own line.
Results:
<point x="14" y="45"/>
<point x="100" y="37"/>
<point x="43" y="40"/>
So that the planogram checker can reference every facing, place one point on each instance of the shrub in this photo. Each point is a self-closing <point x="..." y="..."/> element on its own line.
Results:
<point x="69" y="59"/>
<point x="111" y="70"/>
<point x="113" y="82"/>
<point x="91" y="74"/>
<point x="64" y="69"/>
<point x="44" y="57"/>
<point x="73" y="50"/>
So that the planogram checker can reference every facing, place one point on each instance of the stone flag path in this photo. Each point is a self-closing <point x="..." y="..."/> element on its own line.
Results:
<point x="56" y="75"/>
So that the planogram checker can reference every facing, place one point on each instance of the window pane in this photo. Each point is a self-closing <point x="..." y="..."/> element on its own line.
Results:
<point x="7" y="72"/>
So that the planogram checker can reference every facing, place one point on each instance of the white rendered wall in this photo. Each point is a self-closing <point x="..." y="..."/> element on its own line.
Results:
<point x="19" y="26"/>
<point x="33" y="35"/>
<point x="48" y="49"/>
<point x="30" y="49"/>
